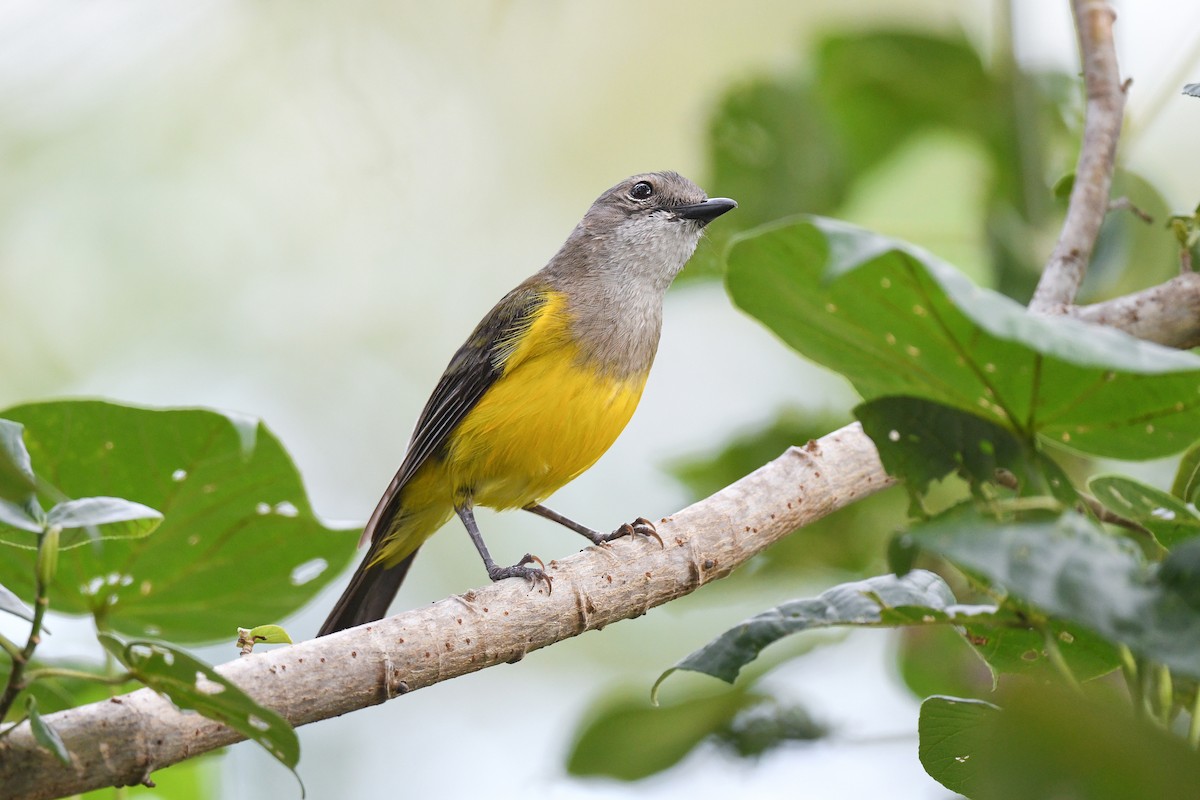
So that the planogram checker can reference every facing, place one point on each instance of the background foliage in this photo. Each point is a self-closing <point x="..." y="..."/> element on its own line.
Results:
<point x="939" y="137"/>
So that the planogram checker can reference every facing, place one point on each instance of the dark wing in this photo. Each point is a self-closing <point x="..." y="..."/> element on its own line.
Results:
<point x="472" y="371"/>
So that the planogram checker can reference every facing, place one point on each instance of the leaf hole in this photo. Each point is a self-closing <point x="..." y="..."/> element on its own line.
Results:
<point x="308" y="571"/>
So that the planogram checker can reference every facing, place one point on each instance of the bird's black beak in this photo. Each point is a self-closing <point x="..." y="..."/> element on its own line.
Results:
<point x="707" y="211"/>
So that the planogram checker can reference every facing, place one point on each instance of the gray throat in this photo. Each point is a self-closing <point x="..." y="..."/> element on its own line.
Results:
<point x="616" y="322"/>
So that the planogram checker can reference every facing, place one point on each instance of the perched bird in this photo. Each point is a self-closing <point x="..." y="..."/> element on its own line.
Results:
<point x="541" y="388"/>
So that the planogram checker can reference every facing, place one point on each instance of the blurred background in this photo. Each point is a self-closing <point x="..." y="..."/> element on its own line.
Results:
<point x="298" y="211"/>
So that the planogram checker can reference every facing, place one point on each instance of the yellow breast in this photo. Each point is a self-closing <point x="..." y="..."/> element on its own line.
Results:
<point x="548" y="418"/>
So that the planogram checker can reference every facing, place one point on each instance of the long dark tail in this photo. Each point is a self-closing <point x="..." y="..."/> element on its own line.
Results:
<point x="371" y="591"/>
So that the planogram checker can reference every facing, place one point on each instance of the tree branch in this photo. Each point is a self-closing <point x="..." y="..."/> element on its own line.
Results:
<point x="120" y="741"/>
<point x="1168" y="314"/>
<point x="1093" y="173"/>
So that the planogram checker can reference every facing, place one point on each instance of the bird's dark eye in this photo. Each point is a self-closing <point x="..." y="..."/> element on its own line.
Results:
<point x="641" y="190"/>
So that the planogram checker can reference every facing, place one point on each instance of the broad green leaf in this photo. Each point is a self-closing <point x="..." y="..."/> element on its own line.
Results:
<point x="911" y="597"/>
<point x="920" y="442"/>
<point x="1021" y="650"/>
<point x="936" y="659"/>
<point x="1165" y="516"/>
<point x="1073" y="570"/>
<point x="1186" y="485"/>
<point x="16" y="473"/>
<point x="897" y="321"/>
<point x="193" y="685"/>
<point x="952" y="731"/>
<point x="45" y="734"/>
<point x="629" y="739"/>
<point x="13" y="605"/>
<point x="239" y="538"/>
<point x="1055" y="743"/>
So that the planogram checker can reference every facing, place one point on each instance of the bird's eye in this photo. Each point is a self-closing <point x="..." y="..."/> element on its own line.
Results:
<point x="641" y="190"/>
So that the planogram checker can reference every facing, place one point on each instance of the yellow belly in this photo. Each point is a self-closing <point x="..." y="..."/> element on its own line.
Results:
<point x="545" y="420"/>
<point x="536" y="429"/>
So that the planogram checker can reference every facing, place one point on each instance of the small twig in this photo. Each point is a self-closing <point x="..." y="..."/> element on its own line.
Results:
<point x="1125" y="204"/>
<point x="1093" y="173"/>
<point x="1087" y="503"/>
<point x="77" y="674"/>
<point x="9" y="646"/>
<point x="21" y="659"/>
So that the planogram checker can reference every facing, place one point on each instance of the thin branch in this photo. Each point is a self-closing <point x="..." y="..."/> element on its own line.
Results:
<point x="1168" y="314"/>
<point x="119" y="741"/>
<point x="1093" y="173"/>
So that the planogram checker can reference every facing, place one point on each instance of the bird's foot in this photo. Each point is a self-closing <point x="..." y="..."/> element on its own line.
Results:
<point x="639" y="527"/>
<point x="522" y="569"/>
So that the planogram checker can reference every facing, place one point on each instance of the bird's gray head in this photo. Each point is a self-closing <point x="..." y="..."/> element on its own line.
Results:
<point x="643" y="230"/>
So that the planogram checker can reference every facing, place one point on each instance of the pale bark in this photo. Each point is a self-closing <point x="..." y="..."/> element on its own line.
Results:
<point x="1089" y="199"/>
<point x="121" y="741"/>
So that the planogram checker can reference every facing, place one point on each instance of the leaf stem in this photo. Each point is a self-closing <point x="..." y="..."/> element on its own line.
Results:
<point x="15" y="724"/>
<point x="10" y="647"/>
<point x="77" y="674"/>
<point x="1194" y="725"/>
<point x="1164" y="695"/>
<point x="21" y="659"/>
<point x="1129" y="669"/>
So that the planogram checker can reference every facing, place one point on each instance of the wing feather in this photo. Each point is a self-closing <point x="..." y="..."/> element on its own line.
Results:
<point x="471" y="372"/>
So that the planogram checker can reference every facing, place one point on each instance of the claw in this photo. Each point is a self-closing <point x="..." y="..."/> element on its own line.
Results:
<point x="645" y="527"/>
<point x="522" y="570"/>
<point x="639" y="527"/>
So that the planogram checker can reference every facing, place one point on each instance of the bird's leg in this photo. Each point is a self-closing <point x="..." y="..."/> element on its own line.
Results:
<point x="519" y="570"/>
<point x="640" y="526"/>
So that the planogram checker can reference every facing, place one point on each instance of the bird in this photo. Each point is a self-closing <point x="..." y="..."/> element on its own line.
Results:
<point x="540" y="389"/>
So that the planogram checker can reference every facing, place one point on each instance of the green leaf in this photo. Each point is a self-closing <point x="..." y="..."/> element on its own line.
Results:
<point x="269" y="634"/>
<point x="627" y="738"/>
<point x="45" y="734"/>
<point x="1048" y="743"/>
<point x="16" y="473"/>
<point x="100" y="511"/>
<point x="920" y="442"/>
<point x="1165" y="516"/>
<point x="239" y="537"/>
<point x="13" y="605"/>
<point x="767" y="725"/>
<point x="910" y="598"/>
<point x="952" y="731"/>
<point x="1072" y="569"/>
<point x="16" y="516"/>
<point x="897" y="321"/>
<point x="195" y="686"/>
<point x="1021" y="650"/>
<point x="1186" y="485"/>
<point x="936" y="659"/>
